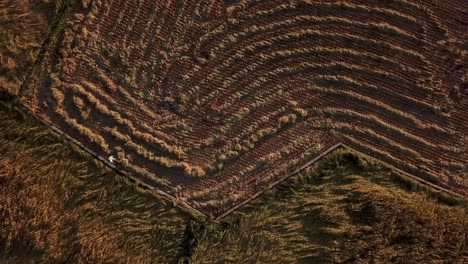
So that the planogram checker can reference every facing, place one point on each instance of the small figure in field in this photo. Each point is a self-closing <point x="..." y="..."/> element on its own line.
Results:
<point x="111" y="159"/>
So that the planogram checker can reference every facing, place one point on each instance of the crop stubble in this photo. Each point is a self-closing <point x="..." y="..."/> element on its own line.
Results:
<point x="210" y="101"/>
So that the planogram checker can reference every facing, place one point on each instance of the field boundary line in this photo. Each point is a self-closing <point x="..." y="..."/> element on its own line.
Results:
<point x="280" y="180"/>
<point x="134" y="179"/>
<point x="270" y="186"/>
<point x="409" y="175"/>
<point x="316" y="159"/>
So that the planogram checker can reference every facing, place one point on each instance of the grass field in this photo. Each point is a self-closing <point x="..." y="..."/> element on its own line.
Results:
<point x="26" y="27"/>
<point x="60" y="205"/>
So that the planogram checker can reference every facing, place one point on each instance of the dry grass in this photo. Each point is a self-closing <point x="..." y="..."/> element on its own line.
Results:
<point x="349" y="210"/>
<point x="24" y="29"/>
<point x="60" y="205"/>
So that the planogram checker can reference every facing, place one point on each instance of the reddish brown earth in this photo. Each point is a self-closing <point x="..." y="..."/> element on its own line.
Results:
<point x="211" y="101"/>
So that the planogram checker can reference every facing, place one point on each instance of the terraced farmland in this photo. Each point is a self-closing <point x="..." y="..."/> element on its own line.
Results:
<point x="213" y="101"/>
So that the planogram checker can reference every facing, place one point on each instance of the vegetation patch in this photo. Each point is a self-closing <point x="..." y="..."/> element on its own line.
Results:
<point x="61" y="205"/>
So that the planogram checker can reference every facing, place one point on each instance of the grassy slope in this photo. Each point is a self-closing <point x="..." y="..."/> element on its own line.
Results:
<point x="349" y="209"/>
<point x="25" y="27"/>
<point x="60" y="205"/>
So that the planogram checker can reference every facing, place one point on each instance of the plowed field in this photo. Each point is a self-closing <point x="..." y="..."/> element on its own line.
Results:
<point x="212" y="101"/>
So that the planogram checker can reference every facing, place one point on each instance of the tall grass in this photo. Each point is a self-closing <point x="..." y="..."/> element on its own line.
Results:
<point x="60" y="205"/>
<point x="25" y="27"/>
<point x="350" y="209"/>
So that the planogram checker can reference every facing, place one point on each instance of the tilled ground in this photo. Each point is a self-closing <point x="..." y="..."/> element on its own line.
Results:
<point x="211" y="101"/>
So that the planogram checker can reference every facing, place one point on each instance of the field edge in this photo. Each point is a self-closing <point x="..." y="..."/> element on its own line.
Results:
<point x="198" y="214"/>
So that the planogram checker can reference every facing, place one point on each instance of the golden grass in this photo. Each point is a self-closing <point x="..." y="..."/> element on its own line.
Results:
<point x="351" y="210"/>
<point x="24" y="29"/>
<point x="60" y="205"/>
